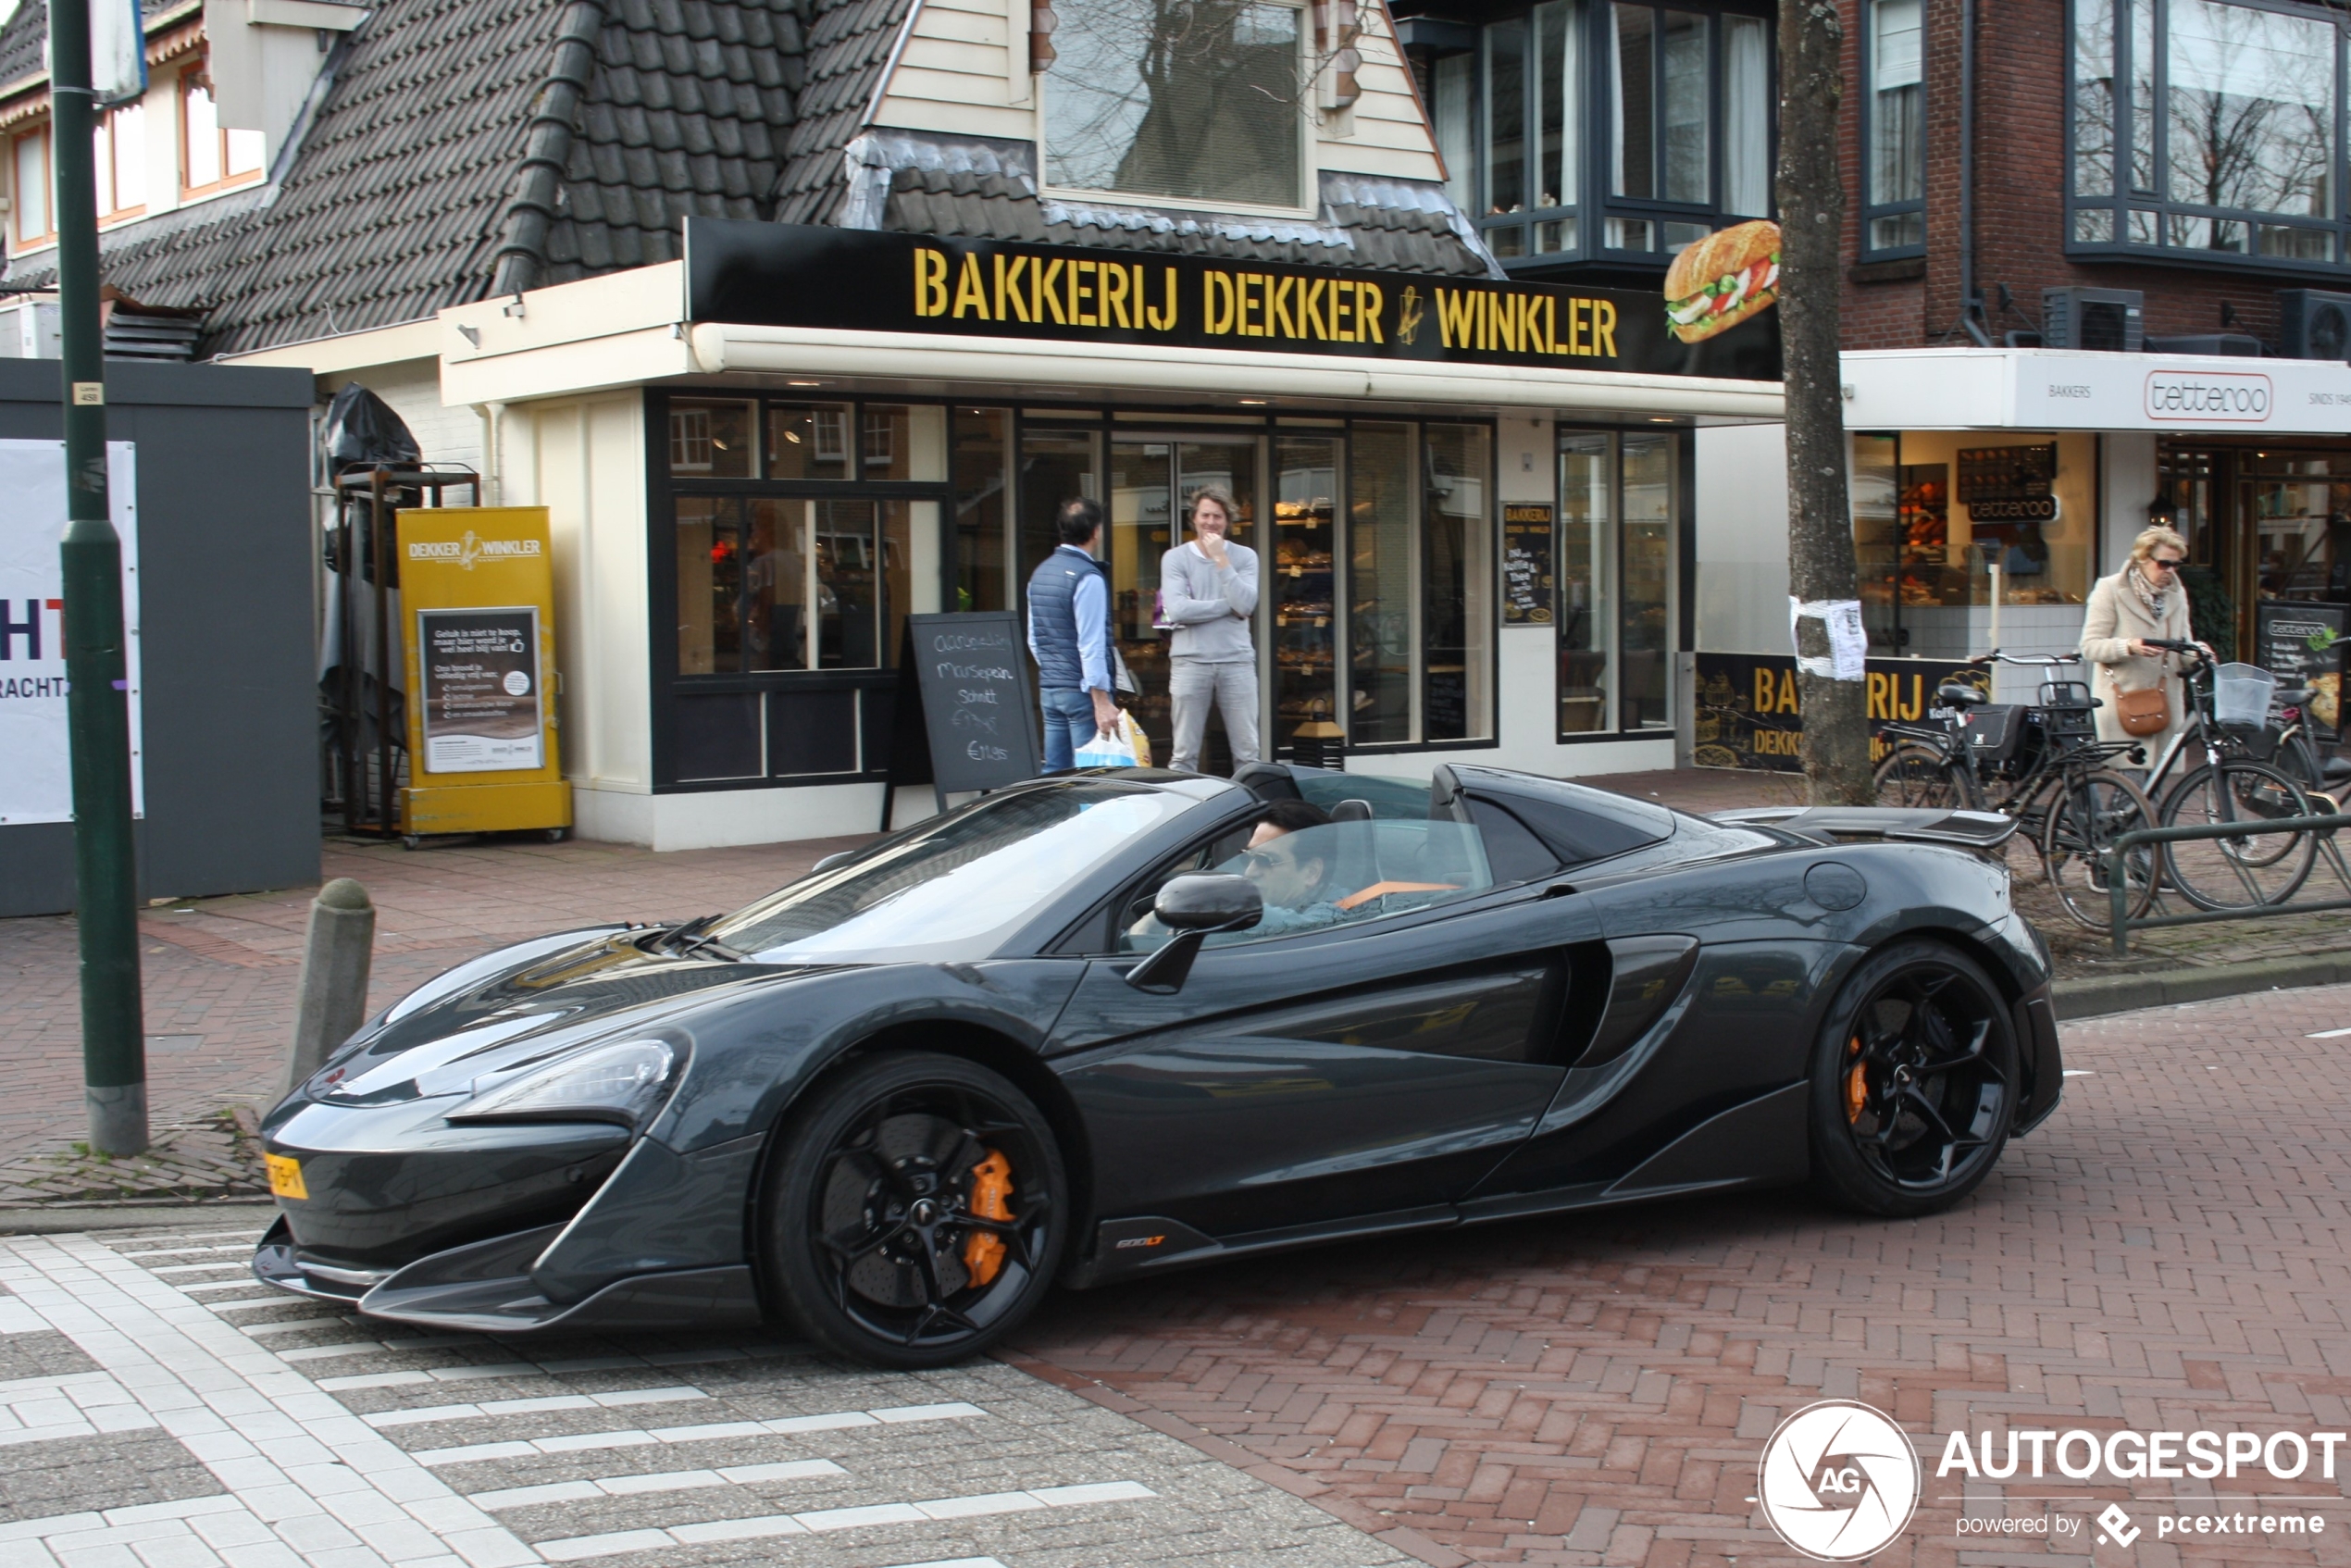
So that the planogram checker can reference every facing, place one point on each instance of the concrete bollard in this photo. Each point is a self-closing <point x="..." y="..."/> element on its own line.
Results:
<point x="334" y="975"/>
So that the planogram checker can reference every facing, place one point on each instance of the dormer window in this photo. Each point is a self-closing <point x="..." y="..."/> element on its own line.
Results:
<point x="212" y="159"/>
<point x="1198" y="101"/>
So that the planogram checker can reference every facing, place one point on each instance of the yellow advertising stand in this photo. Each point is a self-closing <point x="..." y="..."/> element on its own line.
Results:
<point x="477" y="588"/>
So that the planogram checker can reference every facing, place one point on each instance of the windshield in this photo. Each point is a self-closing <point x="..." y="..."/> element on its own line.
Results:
<point x="957" y="888"/>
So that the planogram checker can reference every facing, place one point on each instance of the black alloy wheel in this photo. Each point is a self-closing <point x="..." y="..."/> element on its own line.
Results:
<point x="916" y="1208"/>
<point x="1914" y="1082"/>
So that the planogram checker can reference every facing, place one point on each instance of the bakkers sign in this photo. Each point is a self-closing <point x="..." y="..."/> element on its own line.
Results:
<point x="793" y="275"/>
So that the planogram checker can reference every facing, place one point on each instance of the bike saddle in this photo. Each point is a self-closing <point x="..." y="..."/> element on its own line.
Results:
<point x="2292" y="696"/>
<point x="2337" y="770"/>
<point x="1958" y="694"/>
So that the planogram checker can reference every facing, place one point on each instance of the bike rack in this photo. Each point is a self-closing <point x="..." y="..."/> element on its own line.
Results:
<point x="2120" y="892"/>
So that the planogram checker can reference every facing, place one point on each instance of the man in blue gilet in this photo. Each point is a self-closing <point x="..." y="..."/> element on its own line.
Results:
<point x="1069" y="637"/>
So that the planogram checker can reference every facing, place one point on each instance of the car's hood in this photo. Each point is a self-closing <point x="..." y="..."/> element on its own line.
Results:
<point x="525" y="1003"/>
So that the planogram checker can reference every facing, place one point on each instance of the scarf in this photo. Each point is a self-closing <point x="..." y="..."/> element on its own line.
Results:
<point x="2152" y="598"/>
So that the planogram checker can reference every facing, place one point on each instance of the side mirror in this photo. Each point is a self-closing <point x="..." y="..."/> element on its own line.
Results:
<point x="1192" y="907"/>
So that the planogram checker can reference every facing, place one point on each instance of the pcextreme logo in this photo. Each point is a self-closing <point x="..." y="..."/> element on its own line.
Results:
<point x="1839" y="1481"/>
<point x="473" y="547"/>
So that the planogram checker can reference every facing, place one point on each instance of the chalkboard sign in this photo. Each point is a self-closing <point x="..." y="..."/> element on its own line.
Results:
<point x="1528" y="594"/>
<point x="965" y="715"/>
<point x="2283" y="630"/>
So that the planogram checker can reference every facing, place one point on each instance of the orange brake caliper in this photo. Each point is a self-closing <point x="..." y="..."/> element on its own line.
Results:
<point x="1857" y="1089"/>
<point x="992" y="1184"/>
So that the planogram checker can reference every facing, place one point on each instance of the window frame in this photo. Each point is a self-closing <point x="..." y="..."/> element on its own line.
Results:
<point x="1595" y="205"/>
<point x="1871" y="212"/>
<point x="1609" y="602"/>
<point x="1309" y="170"/>
<point x="2117" y="206"/>
<point x="48" y="236"/>
<point x="197" y="78"/>
<point x="111" y="122"/>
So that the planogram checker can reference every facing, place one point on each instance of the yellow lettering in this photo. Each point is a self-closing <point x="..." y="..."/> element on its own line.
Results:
<point x="1370" y="300"/>
<point x="1457" y="318"/>
<point x="1249" y="286"/>
<point x="971" y="290"/>
<point x="1216" y="301"/>
<point x="1310" y="307"/>
<point x="1550" y="323"/>
<point x="1604" y="332"/>
<point x="1342" y="311"/>
<point x="1081" y="294"/>
<point x="1114" y="286"/>
<point x="1159" y="323"/>
<point x="1909" y="712"/>
<point x="1881" y="697"/>
<point x="930" y="283"/>
<point x="1506" y="322"/>
<point x="1277" y="308"/>
<point x="1766" y="688"/>
<point x="1575" y="324"/>
<point x="1052" y="274"/>
<point x="1008" y="288"/>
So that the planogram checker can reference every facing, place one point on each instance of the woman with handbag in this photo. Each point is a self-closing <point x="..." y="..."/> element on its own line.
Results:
<point x="2141" y="696"/>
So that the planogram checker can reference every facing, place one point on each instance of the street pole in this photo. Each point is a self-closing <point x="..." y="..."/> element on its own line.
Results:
<point x="113" y="1056"/>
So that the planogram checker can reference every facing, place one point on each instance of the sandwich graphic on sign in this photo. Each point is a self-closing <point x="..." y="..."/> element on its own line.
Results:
<point x="1722" y="279"/>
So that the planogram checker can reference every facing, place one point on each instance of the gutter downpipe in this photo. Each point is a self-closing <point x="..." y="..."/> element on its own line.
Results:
<point x="493" y="419"/>
<point x="1971" y="310"/>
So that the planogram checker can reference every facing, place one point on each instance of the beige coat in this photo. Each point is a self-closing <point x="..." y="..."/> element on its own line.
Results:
<point x="2116" y="617"/>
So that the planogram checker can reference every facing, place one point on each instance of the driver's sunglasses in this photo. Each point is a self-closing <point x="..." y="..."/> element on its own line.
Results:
<point x="1257" y="863"/>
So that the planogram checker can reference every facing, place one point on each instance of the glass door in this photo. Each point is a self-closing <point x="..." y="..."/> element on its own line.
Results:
<point x="1301" y="598"/>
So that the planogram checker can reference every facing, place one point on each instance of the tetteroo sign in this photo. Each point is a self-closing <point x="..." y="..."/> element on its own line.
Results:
<point x="2010" y="388"/>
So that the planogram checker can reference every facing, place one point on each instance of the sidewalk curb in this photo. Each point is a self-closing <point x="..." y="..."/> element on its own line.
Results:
<point x="2126" y="993"/>
<point x="58" y="1219"/>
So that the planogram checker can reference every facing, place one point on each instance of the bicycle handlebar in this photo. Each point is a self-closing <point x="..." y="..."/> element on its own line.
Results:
<point x="2039" y="660"/>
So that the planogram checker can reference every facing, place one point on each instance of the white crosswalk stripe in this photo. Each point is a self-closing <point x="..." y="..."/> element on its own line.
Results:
<point x="822" y="1521"/>
<point x="665" y="1481"/>
<point x="781" y="1426"/>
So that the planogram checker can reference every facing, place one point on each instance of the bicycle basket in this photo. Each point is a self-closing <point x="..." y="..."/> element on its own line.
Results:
<point x="2241" y="694"/>
<point x="2066" y="694"/>
<point x="1994" y="730"/>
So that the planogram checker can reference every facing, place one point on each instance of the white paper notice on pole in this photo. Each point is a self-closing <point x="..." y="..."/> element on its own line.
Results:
<point x="36" y="770"/>
<point x="1848" y="640"/>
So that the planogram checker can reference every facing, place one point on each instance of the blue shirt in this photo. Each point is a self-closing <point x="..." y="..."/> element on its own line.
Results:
<point x="1091" y="603"/>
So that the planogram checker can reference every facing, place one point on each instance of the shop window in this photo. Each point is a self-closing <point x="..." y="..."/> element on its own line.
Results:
<point x="1381" y="652"/>
<point x="1945" y="524"/>
<point x="36" y="221"/>
<point x="1457" y="630"/>
<point x="808" y="441"/>
<point x="1055" y="466"/>
<point x="1420" y="584"/>
<point x="794" y="584"/>
<point x="903" y="442"/>
<point x="1302" y="586"/>
<point x="1202" y="102"/>
<point x="2206" y="129"/>
<point x="212" y="158"/>
<point x="1151" y="485"/>
<point x="1619" y="524"/>
<point x="1895" y="129"/>
<point x="981" y="530"/>
<point x="120" y="163"/>
<point x="1681" y="144"/>
<point x="711" y="439"/>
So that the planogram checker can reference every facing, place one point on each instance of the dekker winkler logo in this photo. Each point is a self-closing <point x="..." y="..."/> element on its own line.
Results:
<point x="1838" y="1480"/>
<point x="473" y="547"/>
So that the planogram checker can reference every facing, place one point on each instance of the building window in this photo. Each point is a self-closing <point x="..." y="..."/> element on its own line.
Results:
<point x="1619" y="521"/>
<point x="2206" y="129"/>
<point x="1196" y="102"/>
<point x="1894" y="101"/>
<point x="36" y="214"/>
<point x="1582" y="129"/>
<point x="120" y="163"/>
<point x="212" y="159"/>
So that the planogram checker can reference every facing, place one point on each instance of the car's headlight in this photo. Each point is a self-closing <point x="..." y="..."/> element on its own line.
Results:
<point x="624" y="1083"/>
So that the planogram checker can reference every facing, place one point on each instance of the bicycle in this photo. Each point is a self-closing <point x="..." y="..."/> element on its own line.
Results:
<point x="2040" y="764"/>
<point x="2292" y="749"/>
<point x="2230" y="785"/>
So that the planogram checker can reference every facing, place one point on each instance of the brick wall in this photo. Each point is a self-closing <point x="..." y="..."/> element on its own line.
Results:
<point x="2019" y="196"/>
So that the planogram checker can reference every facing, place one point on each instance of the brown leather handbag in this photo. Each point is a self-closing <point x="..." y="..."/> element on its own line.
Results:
<point x="2144" y="713"/>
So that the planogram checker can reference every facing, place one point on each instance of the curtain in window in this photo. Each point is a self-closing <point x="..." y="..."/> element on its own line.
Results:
<point x="1746" y="116"/>
<point x="1454" y="80"/>
<point x="1558" y="49"/>
<point x="1505" y="89"/>
<point x="1632" y="107"/>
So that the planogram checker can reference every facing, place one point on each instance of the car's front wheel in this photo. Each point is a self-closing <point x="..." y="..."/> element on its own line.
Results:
<point x="1914" y="1082"/>
<point x="916" y="1206"/>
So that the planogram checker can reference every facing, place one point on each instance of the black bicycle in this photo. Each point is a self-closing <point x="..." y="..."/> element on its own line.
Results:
<point x="2231" y="785"/>
<point x="2041" y="764"/>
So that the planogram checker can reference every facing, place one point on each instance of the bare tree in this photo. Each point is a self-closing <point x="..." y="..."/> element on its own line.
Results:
<point x="1822" y="572"/>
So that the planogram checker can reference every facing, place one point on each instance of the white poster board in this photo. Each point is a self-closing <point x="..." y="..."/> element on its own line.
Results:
<point x="36" y="775"/>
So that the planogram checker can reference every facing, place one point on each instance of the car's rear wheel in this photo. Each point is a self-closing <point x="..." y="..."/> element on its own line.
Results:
<point x="916" y="1208"/>
<point x="1914" y="1082"/>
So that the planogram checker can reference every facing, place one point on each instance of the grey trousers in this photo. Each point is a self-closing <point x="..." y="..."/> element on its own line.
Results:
<point x="1191" y="687"/>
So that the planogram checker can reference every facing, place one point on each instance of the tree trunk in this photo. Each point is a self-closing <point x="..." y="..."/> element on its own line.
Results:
<point x="1819" y="524"/>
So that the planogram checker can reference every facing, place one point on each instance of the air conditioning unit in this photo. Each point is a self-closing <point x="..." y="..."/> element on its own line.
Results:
<point x="2107" y="320"/>
<point x="2237" y="345"/>
<point x="2314" y="324"/>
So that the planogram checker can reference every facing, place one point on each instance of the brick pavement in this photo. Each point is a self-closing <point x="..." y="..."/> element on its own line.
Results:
<point x="2168" y="1252"/>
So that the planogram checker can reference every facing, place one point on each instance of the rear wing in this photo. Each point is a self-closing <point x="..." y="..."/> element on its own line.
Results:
<point x="1830" y="825"/>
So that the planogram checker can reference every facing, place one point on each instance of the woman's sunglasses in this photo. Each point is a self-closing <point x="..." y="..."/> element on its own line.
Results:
<point x="2160" y="563"/>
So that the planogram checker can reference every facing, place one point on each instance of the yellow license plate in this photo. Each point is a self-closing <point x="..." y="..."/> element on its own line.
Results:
<point x="285" y="1175"/>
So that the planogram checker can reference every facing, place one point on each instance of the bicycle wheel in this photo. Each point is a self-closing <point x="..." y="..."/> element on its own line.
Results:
<point x="2240" y="873"/>
<point x="1917" y="776"/>
<point x="2087" y="813"/>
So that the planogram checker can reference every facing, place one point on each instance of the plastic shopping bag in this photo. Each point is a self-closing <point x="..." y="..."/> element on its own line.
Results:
<point x="1136" y="738"/>
<point x="1107" y="750"/>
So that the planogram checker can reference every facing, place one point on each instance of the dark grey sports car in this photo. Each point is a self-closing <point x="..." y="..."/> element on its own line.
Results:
<point x="1117" y="1022"/>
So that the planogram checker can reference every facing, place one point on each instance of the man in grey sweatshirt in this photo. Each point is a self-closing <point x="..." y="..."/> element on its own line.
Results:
<point x="1208" y="590"/>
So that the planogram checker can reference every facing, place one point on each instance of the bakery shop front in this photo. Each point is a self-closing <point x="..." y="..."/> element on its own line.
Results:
<point x="1471" y="497"/>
